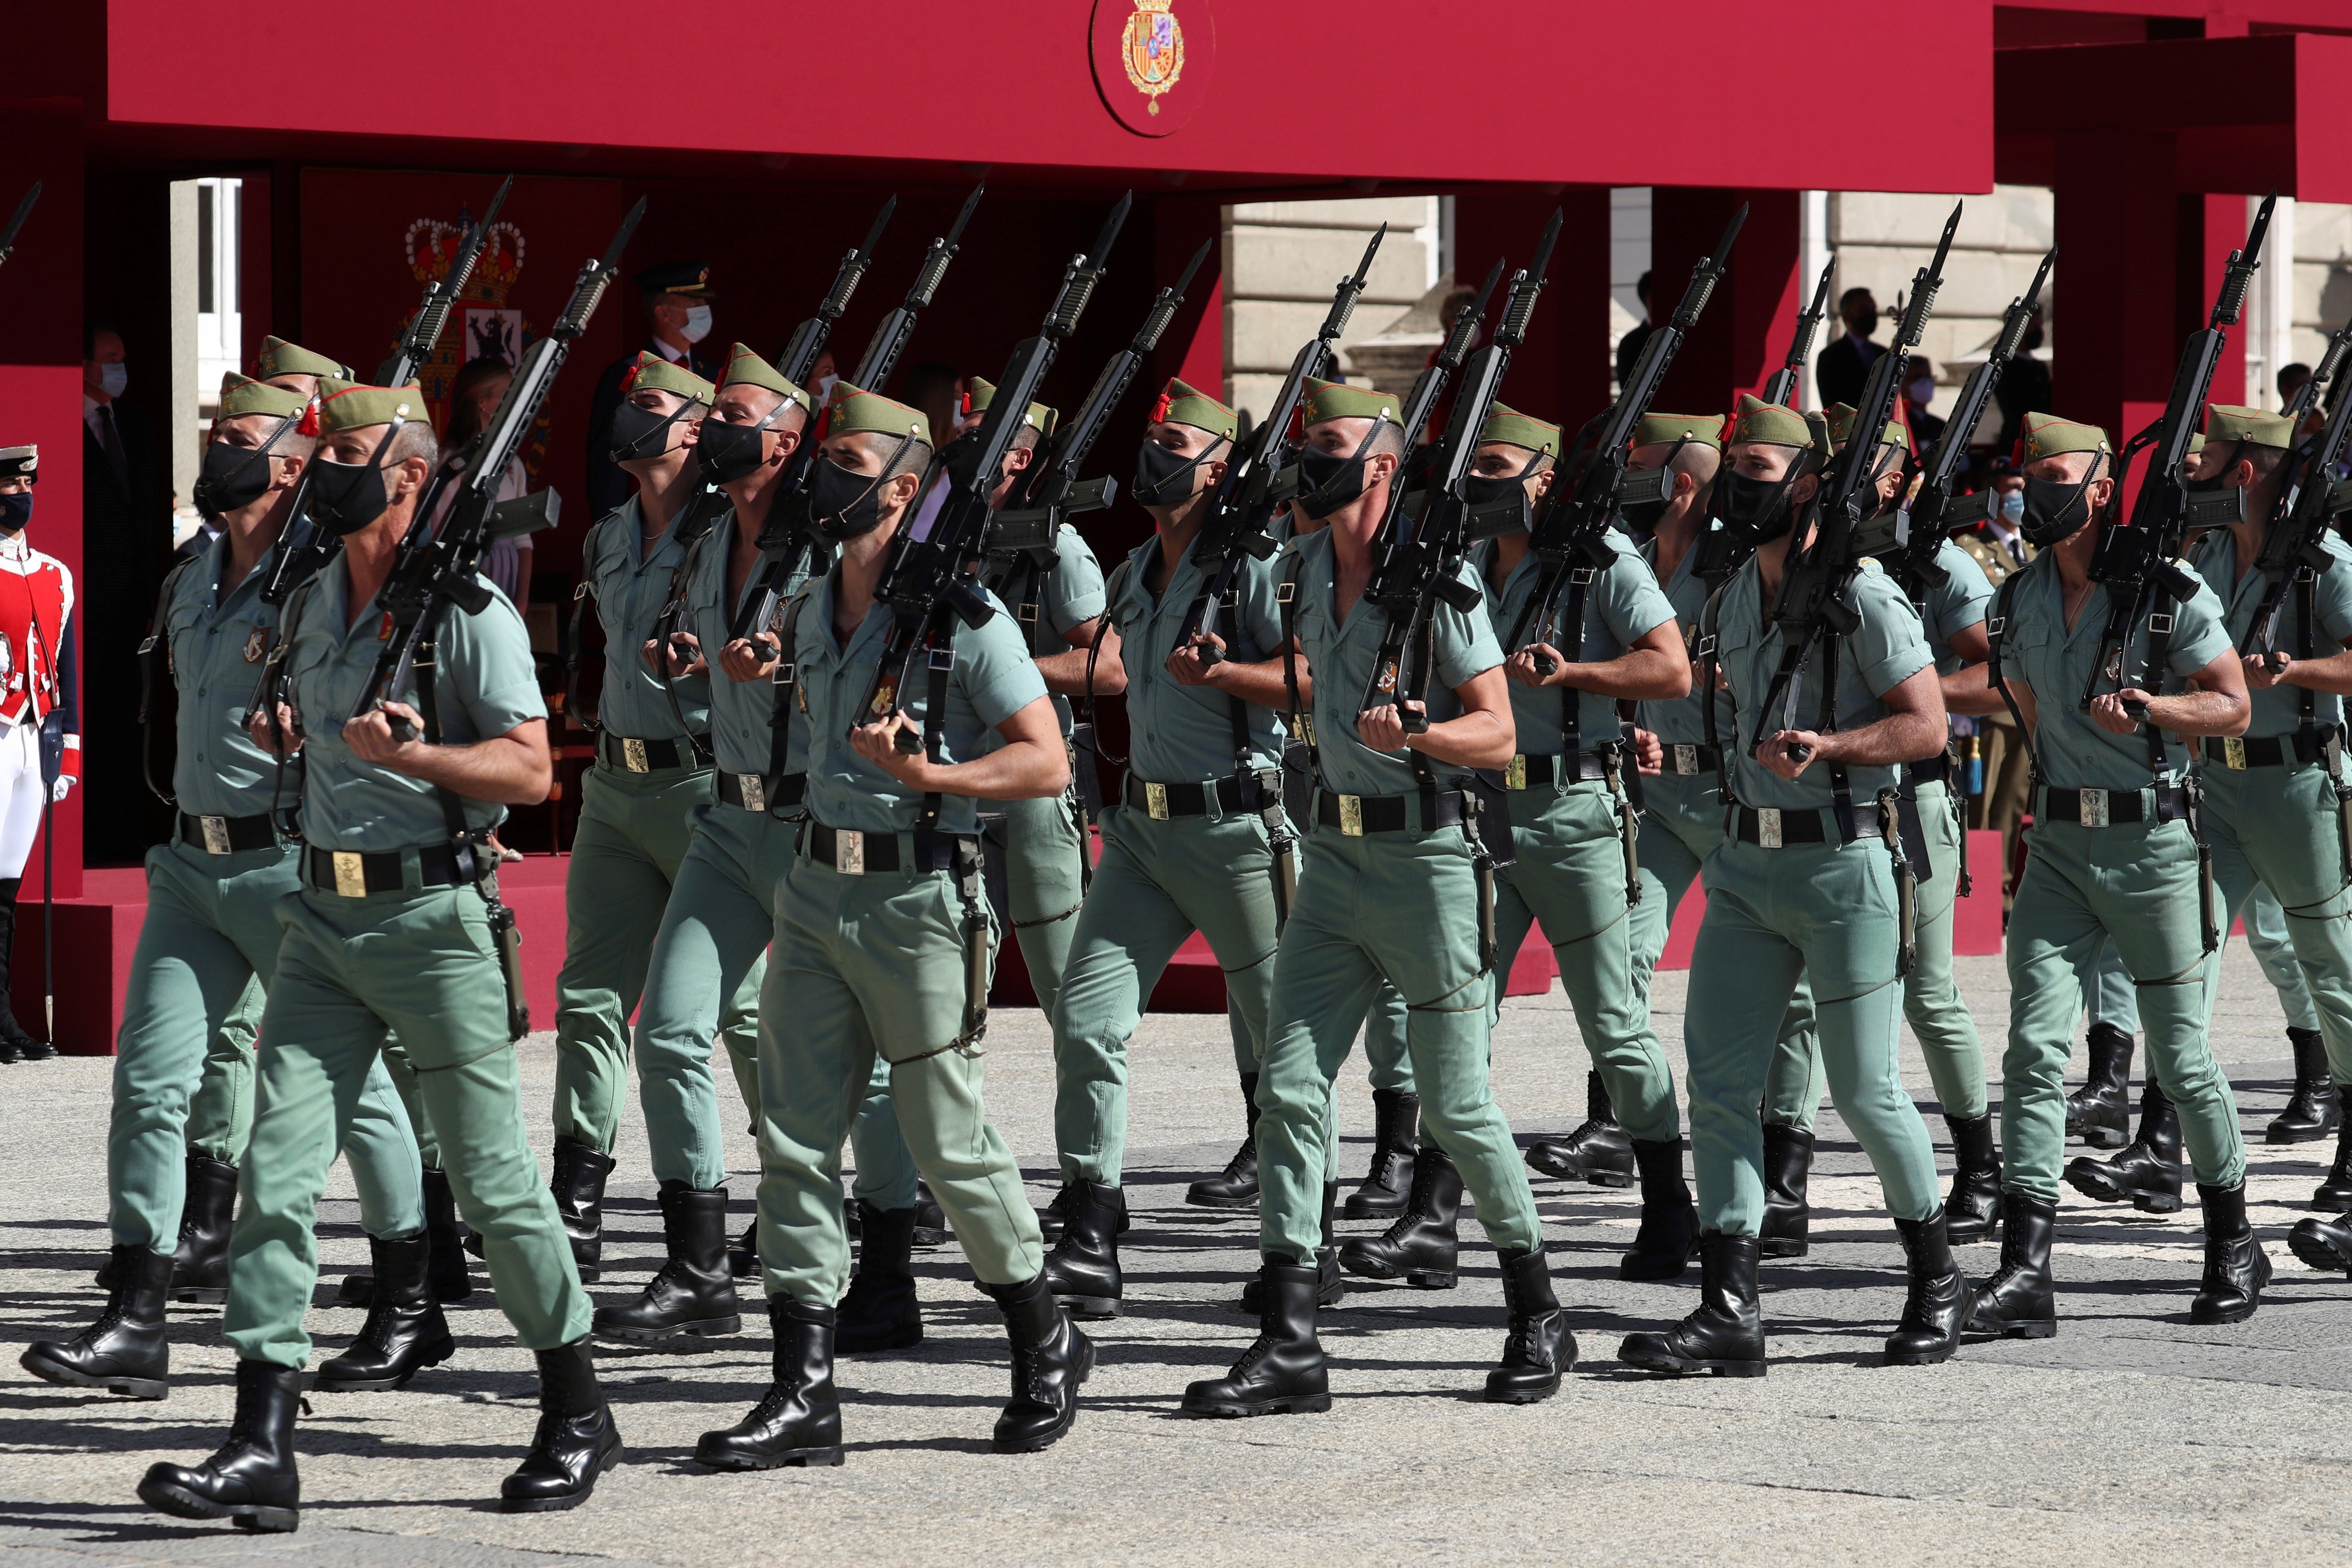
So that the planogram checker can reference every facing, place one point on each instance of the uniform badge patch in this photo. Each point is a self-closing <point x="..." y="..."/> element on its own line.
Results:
<point x="256" y="644"/>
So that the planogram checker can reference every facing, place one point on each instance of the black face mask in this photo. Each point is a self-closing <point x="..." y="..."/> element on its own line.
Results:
<point x="347" y="497"/>
<point x="1755" y="512"/>
<point x="730" y="452"/>
<point x="843" y="503"/>
<point x="2055" y="510"/>
<point x="234" y="477"/>
<point x="1329" y="481"/>
<point x="1163" y="478"/>
<point x="1864" y="324"/>
<point x="2220" y="480"/>
<point x="15" y="511"/>
<point x="638" y="433"/>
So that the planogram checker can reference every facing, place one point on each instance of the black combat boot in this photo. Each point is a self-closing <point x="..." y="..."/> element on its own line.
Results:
<point x="1082" y="1272"/>
<point x="2147" y="1172"/>
<point x="16" y="1045"/>
<point x="1051" y="1356"/>
<point x="2312" y="1112"/>
<point x="405" y="1332"/>
<point x="576" y="1440"/>
<point x="252" y="1479"/>
<point x="1725" y="1335"/>
<point x="1050" y="1219"/>
<point x="2099" y="1113"/>
<point x="1788" y="1165"/>
<point x="2334" y="1190"/>
<point x="1235" y="1187"/>
<point x="1331" y="1285"/>
<point x="1668" y="1238"/>
<point x="2322" y="1244"/>
<point x="2019" y="1302"/>
<point x="798" y="1420"/>
<point x="693" y="1295"/>
<point x="200" y="1267"/>
<point x="879" y="1311"/>
<point x="1598" y="1153"/>
<point x="447" y="1273"/>
<point x="743" y="1252"/>
<point x="1282" y="1372"/>
<point x="1396" y="1123"/>
<point x="1419" y="1246"/>
<point x="578" y="1183"/>
<point x="1940" y="1301"/>
<point x="1538" y="1348"/>
<point x="1973" y="1211"/>
<point x="2236" y="1269"/>
<point x="930" y="1221"/>
<point x="125" y="1352"/>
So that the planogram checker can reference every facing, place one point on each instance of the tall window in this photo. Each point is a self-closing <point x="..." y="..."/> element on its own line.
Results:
<point x="220" y="332"/>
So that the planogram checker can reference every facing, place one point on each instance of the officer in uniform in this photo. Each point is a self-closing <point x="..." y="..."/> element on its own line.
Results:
<point x="1806" y="879"/>
<point x="678" y="296"/>
<point x="209" y="940"/>
<point x="2115" y="855"/>
<point x="883" y="944"/>
<point x="393" y="928"/>
<point x="1395" y="883"/>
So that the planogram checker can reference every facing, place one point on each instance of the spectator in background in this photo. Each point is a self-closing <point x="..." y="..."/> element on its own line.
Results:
<point x="938" y="391"/>
<point x="678" y="296"/>
<point x="2292" y="379"/>
<point x="1629" y="347"/>
<point x="822" y="376"/>
<point x="126" y="539"/>
<point x="473" y="398"/>
<point x="2023" y="389"/>
<point x="1845" y="364"/>
<point x="1918" y="391"/>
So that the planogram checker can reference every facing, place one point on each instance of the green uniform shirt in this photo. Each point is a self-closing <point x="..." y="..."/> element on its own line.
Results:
<point x="1621" y="604"/>
<point x="1963" y="600"/>
<point x="1071" y="593"/>
<point x="740" y="739"/>
<point x="994" y="678"/>
<point x="216" y="644"/>
<point x="631" y="588"/>
<point x="1887" y="649"/>
<point x="2039" y="648"/>
<point x="2278" y="710"/>
<point x="1683" y="722"/>
<point x="1184" y="734"/>
<point x="1342" y="656"/>
<point x="485" y="684"/>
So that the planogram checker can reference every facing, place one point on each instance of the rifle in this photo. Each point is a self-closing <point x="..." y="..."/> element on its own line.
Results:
<point x="1239" y="516"/>
<point x="23" y="211"/>
<point x="808" y="339"/>
<point x="1570" y="537"/>
<point x="1815" y="578"/>
<point x="2312" y="499"/>
<point x="1782" y="388"/>
<point x="417" y="344"/>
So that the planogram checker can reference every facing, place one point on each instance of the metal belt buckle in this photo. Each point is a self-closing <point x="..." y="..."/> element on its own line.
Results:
<point x="2093" y="812"/>
<point x="216" y="832"/>
<point x="1155" y="801"/>
<point x="1351" y="816"/>
<point x="350" y="874"/>
<point x="754" y="790"/>
<point x="2233" y="753"/>
<point x="1767" y="826"/>
<point x="632" y="756"/>
<point x="849" y="852"/>
<point x="1686" y="760"/>
<point x="1514" y="774"/>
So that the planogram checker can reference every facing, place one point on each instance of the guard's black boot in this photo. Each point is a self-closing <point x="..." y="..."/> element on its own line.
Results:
<point x="1940" y="1301"/>
<point x="405" y="1332"/>
<point x="1235" y="1187"/>
<point x="1082" y="1272"/>
<point x="1538" y="1347"/>
<point x="578" y="1183"/>
<point x="447" y="1273"/>
<point x="1725" y="1335"/>
<point x="16" y="1045"/>
<point x="879" y="1311"/>
<point x="576" y="1440"/>
<point x="693" y="1295"/>
<point x="252" y="1479"/>
<point x="1598" y="1153"/>
<point x="2334" y="1190"/>
<point x="2018" y="1302"/>
<point x="2147" y="1172"/>
<point x="1421" y="1245"/>
<point x="1281" y="1373"/>
<point x="1050" y="1219"/>
<point x="1788" y="1167"/>
<point x="2312" y="1112"/>
<point x="200" y="1267"/>
<point x="1973" y="1211"/>
<point x="1050" y="1357"/>
<point x="930" y="1220"/>
<point x="1396" y="1124"/>
<point x="743" y="1253"/>
<point x="2236" y="1269"/>
<point x="798" y="1420"/>
<point x="1668" y="1238"/>
<point x="2099" y="1113"/>
<point x="2322" y="1244"/>
<point x="1331" y="1285"/>
<point x="126" y="1350"/>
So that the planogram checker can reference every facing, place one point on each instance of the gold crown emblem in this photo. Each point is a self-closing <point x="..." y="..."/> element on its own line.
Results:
<point x="431" y="246"/>
<point x="1151" y="47"/>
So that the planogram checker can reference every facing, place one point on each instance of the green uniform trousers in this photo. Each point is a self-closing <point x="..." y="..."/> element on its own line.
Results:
<point x="1829" y="911"/>
<point x="1570" y="875"/>
<point x="1402" y="906"/>
<point x="2276" y="829"/>
<point x="866" y="967"/>
<point x="1386" y="1060"/>
<point x="634" y="829"/>
<point x="2137" y="884"/>
<point x="1045" y="886"/>
<point x="208" y="947"/>
<point x="1158" y="883"/>
<point x="420" y="961"/>
<point x="2113" y="999"/>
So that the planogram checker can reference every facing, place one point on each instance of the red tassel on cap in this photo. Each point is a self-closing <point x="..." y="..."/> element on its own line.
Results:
<point x="629" y="376"/>
<point x="1160" y="409"/>
<point x="309" y="424"/>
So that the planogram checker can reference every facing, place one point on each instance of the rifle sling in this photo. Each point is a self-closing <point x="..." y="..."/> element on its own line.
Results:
<point x="158" y="634"/>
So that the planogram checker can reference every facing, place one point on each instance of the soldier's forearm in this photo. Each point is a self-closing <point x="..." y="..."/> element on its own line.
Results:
<point x="2332" y="674"/>
<point x="1020" y="770"/>
<point x="1064" y="673"/>
<point x="1897" y="738"/>
<point x="2201" y="713"/>
<point x="502" y="770"/>
<point x="1642" y="674"/>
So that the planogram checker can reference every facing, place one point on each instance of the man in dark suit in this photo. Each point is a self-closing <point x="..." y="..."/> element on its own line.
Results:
<point x="126" y="538"/>
<point x="2023" y="388"/>
<point x="1629" y="347"/>
<point x="1919" y="389"/>
<point x="678" y="296"/>
<point x="1845" y="364"/>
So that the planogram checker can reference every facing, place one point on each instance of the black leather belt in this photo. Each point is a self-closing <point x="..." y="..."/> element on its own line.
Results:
<point x="1162" y="801"/>
<point x="754" y="792"/>
<point x="2104" y="807"/>
<point x="1541" y="770"/>
<point x="2270" y="751"/>
<point x="1357" y="814"/>
<point x="635" y="756"/>
<point x="855" y="853"/>
<point x="1937" y="769"/>
<point x="1689" y="762"/>
<point x="229" y="835"/>
<point x="354" y="874"/>
<point x="1773" y="827"/>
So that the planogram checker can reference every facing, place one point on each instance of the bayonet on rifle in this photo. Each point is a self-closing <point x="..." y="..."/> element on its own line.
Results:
<point x="1782" y="388"/>
<point x="23" y="211"/>
<point x="424" y="333"/>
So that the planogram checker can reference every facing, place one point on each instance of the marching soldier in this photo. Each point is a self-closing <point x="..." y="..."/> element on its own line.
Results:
<point x="1393" y="887"/>
<point x="392" y="929"/>
<point x="2116" y="856"/>
<point x="1806" y="879"/>
<point x="678" y="296"/>
<point x="882" y="936"/>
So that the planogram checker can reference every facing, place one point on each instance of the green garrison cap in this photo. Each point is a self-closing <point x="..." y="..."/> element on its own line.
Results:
<point x="1182" y="405"/>
<point x="20" y="463"/>
<point x="2254" y="426"/>
<point x="854" y="411"/>
<point x="651" y="370"/>
<point x="280" y="357"/>
<point x="2047" y="435"/>
<point x="1841" y="420"/>
<point x="744" y="366"/>
<point x="1514" y="428"/>
<point x="1662" y="429"/>
<point x="1039" y="417"/>
<point x="1336" y="400"/>
<point x="1768" y="423"/>
<point x="348" y="405"/>
<point x="2196" y="443"/>
<point x="241" y="394"/>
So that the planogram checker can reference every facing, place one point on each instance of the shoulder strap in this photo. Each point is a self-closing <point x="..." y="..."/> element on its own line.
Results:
<point x="1710" y="617"/>
<point x="574" y="644"/>
<point x="158" y="634"/>
<point x="785" y="682"/>
<point x="274" y="691"/>
<point x="665" y="625"/>
<point x="2004" y="604"/>
<point x="1300" y="722"/>
<point x="1112" y="588"/>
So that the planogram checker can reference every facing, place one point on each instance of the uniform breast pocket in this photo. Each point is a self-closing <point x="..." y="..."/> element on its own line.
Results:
<point x="311" y="681"/>
<point x="184" y="644"/>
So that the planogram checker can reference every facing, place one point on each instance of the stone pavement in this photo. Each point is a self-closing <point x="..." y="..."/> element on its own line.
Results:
<point x="2131" y="1430"/>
